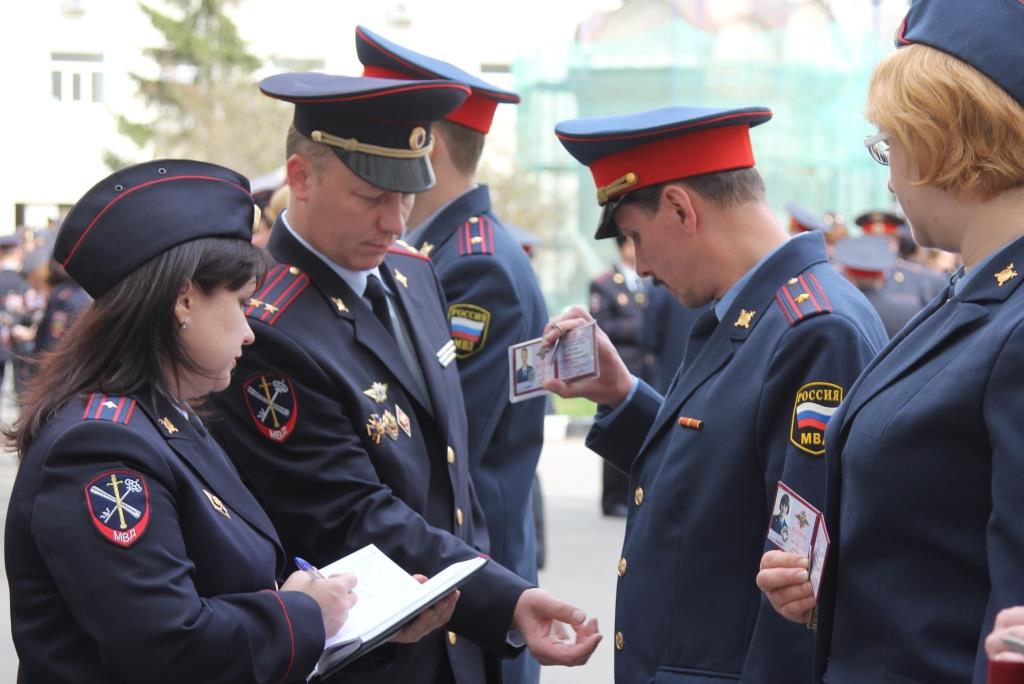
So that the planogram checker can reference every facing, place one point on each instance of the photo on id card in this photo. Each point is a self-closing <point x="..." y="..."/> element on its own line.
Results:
<point x="793" y="522"/>
<point x="530" y="363"/>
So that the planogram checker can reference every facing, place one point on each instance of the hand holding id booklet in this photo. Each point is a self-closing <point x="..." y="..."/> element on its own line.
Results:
<point x="573" y="356"/>
<point x="389" y="599"/>
<point x="798" y="527"/>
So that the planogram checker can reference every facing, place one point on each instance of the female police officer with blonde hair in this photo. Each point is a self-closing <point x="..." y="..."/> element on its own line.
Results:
<point x="133" y="550"/>
<point x="926" y="453"/>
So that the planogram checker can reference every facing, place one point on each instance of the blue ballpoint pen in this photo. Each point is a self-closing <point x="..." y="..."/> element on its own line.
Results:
<point x="308" y="567"/>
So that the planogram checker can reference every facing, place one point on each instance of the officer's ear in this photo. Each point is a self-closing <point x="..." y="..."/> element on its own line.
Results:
<point x="677" y="199"/>
<point x="184" y="305"/>
<point x="301" y="176"/>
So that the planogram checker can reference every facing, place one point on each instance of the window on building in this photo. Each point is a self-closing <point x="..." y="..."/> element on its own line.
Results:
<point x="76" y="77"/>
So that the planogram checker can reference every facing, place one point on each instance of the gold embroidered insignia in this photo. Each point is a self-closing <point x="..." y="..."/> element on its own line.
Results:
<point x="401" y="278"/>
<point x="426" y="248"/>
<point x="390" y="424"/>
<point x="217" y="504"/>
<point x="378" y="391"/>
<point x="802" y="297"/>
<point x="403" y="421"/>
<point x="271" y="308"/>
<point x="168" y="425"/>
<point x="1006" y="275"/>
<point x="743" y="321"/>
<point x="255" y="302"/>
<point x="109" y="404"/>
<point x="338" y="304"/>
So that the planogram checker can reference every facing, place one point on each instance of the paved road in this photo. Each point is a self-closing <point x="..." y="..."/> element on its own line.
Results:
<point x="583" y="549"/>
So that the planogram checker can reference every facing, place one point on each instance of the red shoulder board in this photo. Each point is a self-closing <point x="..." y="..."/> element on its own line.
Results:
<point x="802" y="297"/>
<point x="282" y="286"/>
<point x="114" y="409"/>
<point x="405" y="249"/>
<point x="476" y="236"/>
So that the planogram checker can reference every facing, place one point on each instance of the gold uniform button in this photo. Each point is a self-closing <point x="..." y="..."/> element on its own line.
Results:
<point x="619" y="641"/>
<point x="638" y="496"/>
<point x="451" y="455"/>
<point x="622" y="567"/>
<point x="458" y="515"/>
<point x="452" y="638"/>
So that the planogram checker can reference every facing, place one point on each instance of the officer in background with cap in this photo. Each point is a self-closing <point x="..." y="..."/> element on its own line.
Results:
<point x="494" y="300"/>
<point x="803" y="220"/>
<point x="905" y="277"/>
<point x="346" y="415"/>
<point x="133" y="550"/>
<point x="764" y="369"/>
<point x="866" y="262"/>
<point x="619" y="300"/>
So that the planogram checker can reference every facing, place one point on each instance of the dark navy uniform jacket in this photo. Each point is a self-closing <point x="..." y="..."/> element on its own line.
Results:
<point x="134" y="553"/>
<point x="343" y="449"/>
<point x="894" y="308"/>
<point x="494" y="301"/>
<point x="667" y="326"/>
<point x="621" y="313"/>
<point x="912" y="279"/>
<point x="704" y="463"/>
<point x="924" y="492"/>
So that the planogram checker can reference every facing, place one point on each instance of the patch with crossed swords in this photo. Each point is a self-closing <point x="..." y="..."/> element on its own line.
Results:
<point x="118" y="504"/>
<point x="270" y="398"/>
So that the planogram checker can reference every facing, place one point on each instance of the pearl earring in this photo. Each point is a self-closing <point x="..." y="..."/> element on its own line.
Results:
<point x="183" y="325"/>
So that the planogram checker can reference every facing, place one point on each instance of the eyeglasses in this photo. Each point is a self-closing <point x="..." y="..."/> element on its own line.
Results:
<point x="878" y="147"/>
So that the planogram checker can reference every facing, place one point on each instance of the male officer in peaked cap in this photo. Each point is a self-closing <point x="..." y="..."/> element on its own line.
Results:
<point x="867" y="262"/>
<point x="494" y="300"/>
<point x="346" y="414"/>
<point x="905" y="277"/>
<point x="785" y="332"/>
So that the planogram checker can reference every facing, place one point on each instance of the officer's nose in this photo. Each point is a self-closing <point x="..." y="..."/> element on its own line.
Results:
<point x="393" y="214"/>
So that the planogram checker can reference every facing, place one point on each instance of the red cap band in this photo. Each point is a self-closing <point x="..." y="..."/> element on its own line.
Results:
<point x="690" y="154"/>
<point x="477" y="112"/>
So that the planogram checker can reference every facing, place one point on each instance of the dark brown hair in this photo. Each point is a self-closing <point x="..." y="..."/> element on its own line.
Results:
<point x="128" y="337"/>
<point x="723" y="188"/>
<point x="465" y="146"/>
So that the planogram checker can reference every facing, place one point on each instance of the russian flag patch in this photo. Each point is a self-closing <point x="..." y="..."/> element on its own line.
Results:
<point x="469" y="324"/>
<point x="813" y="407"/>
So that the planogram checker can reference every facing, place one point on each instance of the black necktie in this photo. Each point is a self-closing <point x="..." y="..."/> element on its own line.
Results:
<point x="702" y="329"/>
<point x="378" y="299"/>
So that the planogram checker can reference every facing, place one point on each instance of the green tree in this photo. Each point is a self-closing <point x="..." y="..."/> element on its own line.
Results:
<point x="204" y="103"/>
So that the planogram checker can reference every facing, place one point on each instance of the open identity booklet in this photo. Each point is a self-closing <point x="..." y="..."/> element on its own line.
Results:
<point x="389" y="599"/>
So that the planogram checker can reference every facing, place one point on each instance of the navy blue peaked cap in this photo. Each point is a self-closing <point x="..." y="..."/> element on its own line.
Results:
<point x="869" y="254"/>
<point x="384" y="59"/>
<point x="379" y="128"/>
<point x="141" y="211"/>
<point x="626" y="153"/>
<point x="803" y="219"/>
<point x="987" y="34"/>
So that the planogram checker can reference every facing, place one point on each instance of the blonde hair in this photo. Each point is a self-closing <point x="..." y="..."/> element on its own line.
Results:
<point x="965" y="133"/>
<point x="278" y="201"/>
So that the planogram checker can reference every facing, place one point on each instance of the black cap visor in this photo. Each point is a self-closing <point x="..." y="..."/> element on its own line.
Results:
<point x="606" y="226"/>
<point x="389" y="173"/>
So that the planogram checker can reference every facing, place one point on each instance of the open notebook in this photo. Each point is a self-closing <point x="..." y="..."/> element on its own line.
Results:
<point x="389" y="598"/>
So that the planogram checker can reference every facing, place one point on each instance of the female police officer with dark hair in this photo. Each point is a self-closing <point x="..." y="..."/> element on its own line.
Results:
<point x="133" y="550"/>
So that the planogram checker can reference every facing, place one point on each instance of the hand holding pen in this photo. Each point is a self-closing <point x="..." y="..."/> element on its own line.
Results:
<point x="333" y="594"/>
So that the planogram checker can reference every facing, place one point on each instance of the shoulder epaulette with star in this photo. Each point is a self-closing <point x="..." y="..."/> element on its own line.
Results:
<point x="476" y="236"/>
<point x="802" y="297"/>
<point x="281" y="287"/>
<point x="405" y="249"/>
<point x="112" y="408"/>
